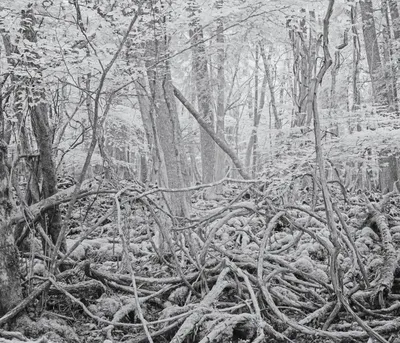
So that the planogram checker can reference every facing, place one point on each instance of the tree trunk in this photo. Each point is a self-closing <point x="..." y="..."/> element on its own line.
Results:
<point x="277" y="120"/>
<point x="254" y="113"/>
<point x="372" y="51"/>
<point x="304" y="68"/>
<point x="388" y="172"/>
<point x="310" y="53"/>
<point x="10" y="286"/>
<point x="203" y="87"/>
<point x="394" y="14"/>
<point x="144" y="105"/>
<point x="44" y="138"/>
<point x="389" y="59"/>
<point x="40" y="124"/>
<point x="356" y="60"/>
<point x="220" y="154"/>
<point x="334" y="72"/>
<point x="166" y="123"/>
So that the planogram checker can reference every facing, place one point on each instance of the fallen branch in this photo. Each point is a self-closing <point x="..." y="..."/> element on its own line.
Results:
<point x="35" y="210"/>
<point x="385" y="282"/>
<point x="33" y="295"/>
<point x="209" y="129"/>
<point x="190" y="322"/>
<point x="12" y="335"/>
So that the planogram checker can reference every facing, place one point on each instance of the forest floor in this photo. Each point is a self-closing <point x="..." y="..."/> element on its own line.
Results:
<point x="245" y="267"/>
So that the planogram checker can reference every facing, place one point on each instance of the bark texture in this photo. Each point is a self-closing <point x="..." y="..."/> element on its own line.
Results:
<point x="204" y="98"/>
<point x="44" y="137"/>
<point x="372" y="52"/>
<point x="10" y="286"/>
<point x="165" y="121"/>
<point x="220" y="154"/>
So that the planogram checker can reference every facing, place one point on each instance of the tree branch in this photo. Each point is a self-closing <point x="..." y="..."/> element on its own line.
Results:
<point x="219" y="140"/>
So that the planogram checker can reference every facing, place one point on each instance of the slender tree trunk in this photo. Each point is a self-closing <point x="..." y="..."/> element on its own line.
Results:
<point x="203" y="87"/>
<point x="334" y="72"/>
<point x="40" y="124"/>
<point x="144" y="105"/>
<point x="394" y="14"/>
<point x="311" y="53"/>
<point x="44" y="138"/>
<point x="271" y="86"/>
<point x="356" y="60"/>
<point x="296" y="73"/>
<point x="218" y="140"/>
<point x="195" y="177"/>
<point x="372" y="51"/>
<point x="303" y="68"/>
<point x="390" y="69"/>
<point x="10" y="286"/>
<point x="166" y="124"/>
<point x="254" y="113"/>
<point x="220" y="154"/>
<point x="334" y="274"/>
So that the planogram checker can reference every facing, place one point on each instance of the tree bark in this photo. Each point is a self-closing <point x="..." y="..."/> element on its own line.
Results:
<point x="277" y="120"/>
<point x="334" y="72"/>
<point x="356" y="60"/>
<point x="166" y="123"/>
<point x="390" y="71"/>
<point x="10" y="286"/>
<point x="144" y="106"/>
<point x="303" y="68"/>
<point x="372" y="51"/>
<point x="255" y="113"/>
<point x="394" y="14"/>
<point x="203" y="87"/>
<point x="41" y="128"/>
<point x="44" y="138"/>
<point x="220" y="154"/>
<point x="334" y="271"/>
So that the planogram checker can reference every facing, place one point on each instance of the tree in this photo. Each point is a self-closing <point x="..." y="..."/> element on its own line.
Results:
<point x="304" y="59"/>
<point x="142" y="89"/>
<point x="221" y="84"/>
<point x="210" y="130"/>
<point x="389" y="67"/>
<point x="259" y="102"/>
<point x="164" y="116"/>
<point x="203" y="88"/>
<point x="356" y="60"/>
<point x="379" y="89"/>
<point x="31" y="90"/>
<point x="10" y="281"/>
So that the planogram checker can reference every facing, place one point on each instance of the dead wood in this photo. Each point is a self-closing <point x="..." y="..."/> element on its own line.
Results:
<point x="33" y="295"/>
<point x="82" y="289"/>
<point x="204" y="306"/>
<point x="126" y="280"/>
<point x="384" y="284"/>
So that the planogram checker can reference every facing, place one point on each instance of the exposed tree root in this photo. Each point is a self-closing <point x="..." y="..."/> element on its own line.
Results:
<point x="12" y="335"/>
<point x="254" y="284"/>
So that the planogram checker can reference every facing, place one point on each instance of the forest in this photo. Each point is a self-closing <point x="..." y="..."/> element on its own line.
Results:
<point x="199" y="171"/>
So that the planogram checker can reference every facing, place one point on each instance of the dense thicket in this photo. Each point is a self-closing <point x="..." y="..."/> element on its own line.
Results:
<point x="197" y="171"/>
